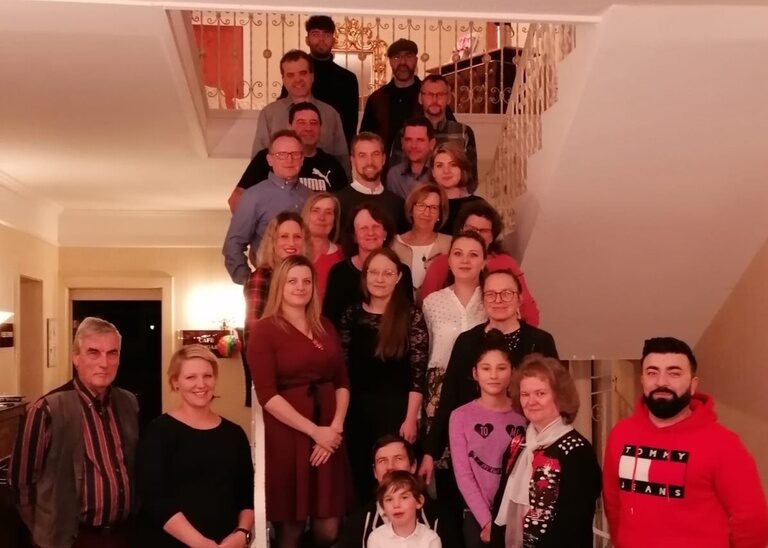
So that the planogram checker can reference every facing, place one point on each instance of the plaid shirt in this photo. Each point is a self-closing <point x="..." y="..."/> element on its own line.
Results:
<point x="255" y="290"/>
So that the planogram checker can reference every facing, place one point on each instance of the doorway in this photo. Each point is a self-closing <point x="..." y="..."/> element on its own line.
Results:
<point x="30" y="338"/>
<point x="140" y="324"/>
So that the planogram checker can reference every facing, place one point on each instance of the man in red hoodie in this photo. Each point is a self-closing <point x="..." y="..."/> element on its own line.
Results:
<point x="672" y="476"/>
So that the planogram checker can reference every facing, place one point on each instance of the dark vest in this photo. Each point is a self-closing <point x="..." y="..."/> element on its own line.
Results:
<point x="58" y="490"/>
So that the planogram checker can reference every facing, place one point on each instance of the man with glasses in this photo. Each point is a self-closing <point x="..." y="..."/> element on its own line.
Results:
<point x="297" y="71"/>
<point x="389" y="106"/>
<point x="320" y="171"/>
<point x="418" y="142"/>
<point x="501" y="302"/>
<point x="258" y="205"/>
<point x="434" y="98"/>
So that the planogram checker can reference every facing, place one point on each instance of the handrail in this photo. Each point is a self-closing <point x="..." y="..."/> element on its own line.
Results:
<point x="534" y="91"/>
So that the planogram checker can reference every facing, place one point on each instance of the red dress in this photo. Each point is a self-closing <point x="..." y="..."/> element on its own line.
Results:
<point x="285" y="362"/>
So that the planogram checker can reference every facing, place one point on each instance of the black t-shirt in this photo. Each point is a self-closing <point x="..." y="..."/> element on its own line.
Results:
<point x="321" y="172"/>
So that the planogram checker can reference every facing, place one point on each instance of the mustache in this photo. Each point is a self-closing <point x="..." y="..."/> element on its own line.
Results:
<point x="662" y="391"/>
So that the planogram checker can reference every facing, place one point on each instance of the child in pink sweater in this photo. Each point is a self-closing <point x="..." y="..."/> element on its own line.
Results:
<point x="479" y="433"/>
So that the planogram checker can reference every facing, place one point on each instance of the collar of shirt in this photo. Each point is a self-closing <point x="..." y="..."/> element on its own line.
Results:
<point x="392" y="535"/>
<point x="291" y="102"/>
<point x="407" y="169"/>
<point x="362" y="189"/>
<point x="88" y="397"/>
<point x="282" y="183"/>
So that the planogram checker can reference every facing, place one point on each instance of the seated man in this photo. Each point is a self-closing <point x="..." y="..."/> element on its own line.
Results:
<point x="418" y="142"/>
<point x="320" y="171"/>
<point x="392" y="452"/>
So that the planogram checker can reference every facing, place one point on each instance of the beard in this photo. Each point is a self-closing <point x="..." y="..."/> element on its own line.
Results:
<point x="369" y="174"/>
<point x="667" y="408"/>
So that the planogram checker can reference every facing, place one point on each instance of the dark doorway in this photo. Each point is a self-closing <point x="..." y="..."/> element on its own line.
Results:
<point x="140" y="371"/>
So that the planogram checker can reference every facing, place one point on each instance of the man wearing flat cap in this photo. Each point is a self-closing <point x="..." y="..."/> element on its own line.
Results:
<point x="388" y="107"/>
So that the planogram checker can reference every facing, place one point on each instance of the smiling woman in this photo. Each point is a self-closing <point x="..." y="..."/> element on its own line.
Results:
<point x="301" y="383"/>
<point x="194" y="471"/>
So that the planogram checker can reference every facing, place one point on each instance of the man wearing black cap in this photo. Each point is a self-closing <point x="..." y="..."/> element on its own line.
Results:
<point x="388" y="107"/>
<point x="333" y="83"/>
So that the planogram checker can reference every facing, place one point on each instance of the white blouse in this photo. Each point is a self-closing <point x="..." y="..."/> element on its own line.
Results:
<point x="446" y="319"/>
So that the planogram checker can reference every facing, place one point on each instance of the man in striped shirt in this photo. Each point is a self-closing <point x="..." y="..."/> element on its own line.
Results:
<point x="72" y="464"/>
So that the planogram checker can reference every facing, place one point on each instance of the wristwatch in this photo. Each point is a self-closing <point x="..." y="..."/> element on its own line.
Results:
<point x="247" y="534"/>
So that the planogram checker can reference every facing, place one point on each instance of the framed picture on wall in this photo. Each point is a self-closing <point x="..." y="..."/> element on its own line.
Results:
<point x="50" y="325"/>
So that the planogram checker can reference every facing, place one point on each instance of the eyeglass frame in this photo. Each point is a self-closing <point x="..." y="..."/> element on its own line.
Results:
<point x="285" y="155"/>
<point x="421" y="206"/>
<point x="386" y="274"/>
<point x="499" y="295"/>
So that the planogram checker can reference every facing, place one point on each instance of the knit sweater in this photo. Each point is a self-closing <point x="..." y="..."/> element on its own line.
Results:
<point x="478" y="437"/>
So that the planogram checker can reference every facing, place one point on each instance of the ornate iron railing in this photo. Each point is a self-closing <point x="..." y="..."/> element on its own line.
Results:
<point x="240" y="53"/>
<point x="534" y="90"/>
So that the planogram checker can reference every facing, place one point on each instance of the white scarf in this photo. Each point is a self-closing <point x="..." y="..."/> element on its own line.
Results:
<point x="518" y="483"/>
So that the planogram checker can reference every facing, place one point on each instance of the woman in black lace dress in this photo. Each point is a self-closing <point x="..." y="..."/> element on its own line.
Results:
<point x="386" y="345"/>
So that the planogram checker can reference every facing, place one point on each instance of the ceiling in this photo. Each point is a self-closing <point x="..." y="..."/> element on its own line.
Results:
<point x="96" y="113"/>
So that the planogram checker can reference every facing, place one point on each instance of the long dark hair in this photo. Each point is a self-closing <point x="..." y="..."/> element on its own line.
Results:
<point x="392" y="338"/>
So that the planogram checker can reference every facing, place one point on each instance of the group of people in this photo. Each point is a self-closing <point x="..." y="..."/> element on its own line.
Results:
<point x="405" y="393"/>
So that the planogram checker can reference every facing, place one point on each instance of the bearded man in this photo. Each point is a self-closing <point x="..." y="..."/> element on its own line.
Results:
<point x="672" y="475"/>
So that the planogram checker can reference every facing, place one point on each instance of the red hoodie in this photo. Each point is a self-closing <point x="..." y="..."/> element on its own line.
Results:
<point x="689" y="484"/>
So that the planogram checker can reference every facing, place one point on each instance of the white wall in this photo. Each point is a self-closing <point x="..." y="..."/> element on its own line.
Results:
<point x="655" y="203"/>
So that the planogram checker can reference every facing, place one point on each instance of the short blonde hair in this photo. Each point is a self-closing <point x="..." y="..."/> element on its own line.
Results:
<point x="190" y="352"/>
<point x="558" y="378"/>
<point x="266" y="255"/>
<point x="420" y="192"/>
<point x="310" y="203"/>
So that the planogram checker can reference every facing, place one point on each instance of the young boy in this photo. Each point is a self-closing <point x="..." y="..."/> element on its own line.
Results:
<point x="401" y="495"/>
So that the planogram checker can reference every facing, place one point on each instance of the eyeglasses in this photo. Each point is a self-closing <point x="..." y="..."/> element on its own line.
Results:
<point x="421" y="207"/>
<point x="478" y="230"/>
<point x="431" y="95"/>
<point x="388" y="274"/>
<point x="506" y="295"/>
<point x="403" y="57"/>
<point x="295" y="155"/>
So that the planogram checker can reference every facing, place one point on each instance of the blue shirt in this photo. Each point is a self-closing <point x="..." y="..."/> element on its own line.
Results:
<point x="258" y="205"/>
<point x="401" y="180"/>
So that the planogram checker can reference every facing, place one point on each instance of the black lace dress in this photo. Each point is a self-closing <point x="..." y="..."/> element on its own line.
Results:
<point x="379" y="389"/>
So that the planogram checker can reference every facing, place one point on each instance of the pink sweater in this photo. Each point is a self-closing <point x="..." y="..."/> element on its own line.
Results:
<point x="478" y="438"/>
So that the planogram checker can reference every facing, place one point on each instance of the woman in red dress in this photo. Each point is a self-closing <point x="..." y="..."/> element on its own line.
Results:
<point x="301" y="383"/>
